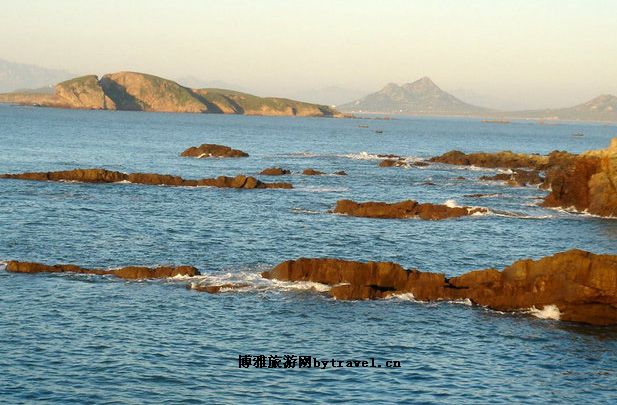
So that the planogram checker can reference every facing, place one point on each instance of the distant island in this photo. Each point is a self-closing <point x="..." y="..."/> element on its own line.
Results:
<point x="143" y="92"/>
<point x="424" y="97"/>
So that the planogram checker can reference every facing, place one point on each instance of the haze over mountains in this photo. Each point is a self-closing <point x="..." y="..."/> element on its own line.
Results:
<point x="16" y="76"/>
<point x="423" y="97"/>
<point x="420" y="97"/>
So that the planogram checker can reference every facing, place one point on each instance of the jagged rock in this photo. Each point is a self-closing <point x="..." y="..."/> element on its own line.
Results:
<point x="108" y="176"/>
<point x="505" y="159"/>
<point x="582" y="286"/>
<point x="586" y="182"/>
<point x="129" y="273"/>
<point x="404" y="209"/>
<point x="518" y="177"/>
<point x="208" y="150"/>
<point x="275" y="171"/>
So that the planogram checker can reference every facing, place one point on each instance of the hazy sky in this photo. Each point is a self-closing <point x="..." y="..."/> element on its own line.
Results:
<point x="531" y="53"/>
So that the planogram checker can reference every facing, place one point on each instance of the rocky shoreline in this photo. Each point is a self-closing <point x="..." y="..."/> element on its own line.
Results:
<point x="575" y="285"/>
<point x="586" y="182"/>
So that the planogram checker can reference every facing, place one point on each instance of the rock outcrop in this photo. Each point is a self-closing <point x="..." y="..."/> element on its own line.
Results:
<point x="210" y="150"/>
<point x="581" y="286"/>
<point x="109" y="176"/>
<point x="505" y="160"/>
<point x="518" y="177"/>
<point x="586" y="182"/>
<point x="275" y="171"/>
<point x="128" y="273"/>
<point x="143" y="92"/>
<point x="403" y="209"/>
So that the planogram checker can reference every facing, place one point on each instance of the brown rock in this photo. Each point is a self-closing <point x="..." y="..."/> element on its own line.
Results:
<point x="275" y="171"/>
<point x="392" y="163"/>
<point x="108" y="176"/>
<point x="505" y="159"/>
<point x="401" y="210"/>
<point x="586" y="182"/>
<point x="518" y="177"/>
<point x="312" y="172"/>
<point x="208" y="150"/>
<point x="131" y="272"/>
<point x="582" y="286"/>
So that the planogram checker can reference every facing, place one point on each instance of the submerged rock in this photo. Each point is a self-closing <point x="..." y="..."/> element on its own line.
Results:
<point x="575" y="285"/>
<point x="403" y="209"/>
<point x="275" y="171"/>
<point x="109" y="176"/>
<point x="208" y="150"/>
<point x="129" y="273"/>
<point x="393" y="163"/>
<point x="312" y="172"/>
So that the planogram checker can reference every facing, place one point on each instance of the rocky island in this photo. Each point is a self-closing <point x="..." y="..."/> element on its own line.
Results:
<point x="134" y="91"/>
<point x="209" y="150"/>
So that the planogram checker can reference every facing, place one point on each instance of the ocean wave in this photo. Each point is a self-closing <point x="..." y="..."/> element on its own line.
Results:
<point x="251" y="281"/>
<point x="317" y="189"/>
<point x="547" y="312"/>
<point x="296" y="210"/>
<point x="573" y="211"/>
<point x="402" y="297"/>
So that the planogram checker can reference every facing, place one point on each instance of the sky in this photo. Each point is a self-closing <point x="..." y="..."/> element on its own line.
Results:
<point x="527" y="54"/>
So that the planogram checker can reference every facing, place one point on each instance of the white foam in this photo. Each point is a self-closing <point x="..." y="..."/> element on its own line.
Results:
<point x="573" y="211"/>
<point x="361" y="156"/>
<point x="305" y="211"/>
<point x="3" y="265"/>
<point x="548" y="312"/>
<point x="253" y="281"/>
<point x="451" y="204"/>
<point x="467" y="302"/>
<point x="402" y="297"/>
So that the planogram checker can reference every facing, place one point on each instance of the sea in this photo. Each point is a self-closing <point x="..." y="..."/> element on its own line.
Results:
<point x="67" y="338"/>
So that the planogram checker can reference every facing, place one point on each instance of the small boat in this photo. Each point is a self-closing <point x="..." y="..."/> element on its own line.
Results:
<point x="378" y="131"/>
<point x="578" y="134"/>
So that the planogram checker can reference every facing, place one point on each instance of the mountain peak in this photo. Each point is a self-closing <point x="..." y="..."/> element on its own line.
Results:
<point x="420" y="97"/>
<point x="424" y="84"/>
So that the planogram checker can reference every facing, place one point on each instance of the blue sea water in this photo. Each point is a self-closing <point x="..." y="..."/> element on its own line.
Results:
<point x="87" y="339"/>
